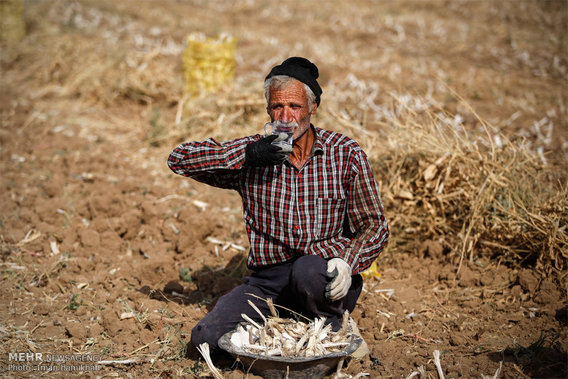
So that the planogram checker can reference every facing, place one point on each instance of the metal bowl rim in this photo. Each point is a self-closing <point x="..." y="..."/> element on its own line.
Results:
<point x="225" y="344"/>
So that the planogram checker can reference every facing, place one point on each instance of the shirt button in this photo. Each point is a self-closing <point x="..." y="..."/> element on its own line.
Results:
<point x="297" y="227"/>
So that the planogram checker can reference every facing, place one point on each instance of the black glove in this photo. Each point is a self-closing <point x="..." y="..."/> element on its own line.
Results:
<point x="263" y="153"/>
<point x="330" y="277"/>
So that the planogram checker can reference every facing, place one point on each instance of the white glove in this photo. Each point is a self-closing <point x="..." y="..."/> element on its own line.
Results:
<point x="339" y="272"/>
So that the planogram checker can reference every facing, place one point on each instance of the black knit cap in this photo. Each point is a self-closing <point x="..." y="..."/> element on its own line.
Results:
<point x="301" y="69"/>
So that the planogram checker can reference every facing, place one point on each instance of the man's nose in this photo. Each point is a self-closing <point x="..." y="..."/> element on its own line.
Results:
<point x="287" y="115"/>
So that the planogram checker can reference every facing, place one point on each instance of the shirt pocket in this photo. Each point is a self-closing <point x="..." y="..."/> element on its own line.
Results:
<point x="329" y="218"/>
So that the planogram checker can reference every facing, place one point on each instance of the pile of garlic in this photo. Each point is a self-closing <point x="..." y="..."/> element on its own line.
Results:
<point x="288" y="337"/>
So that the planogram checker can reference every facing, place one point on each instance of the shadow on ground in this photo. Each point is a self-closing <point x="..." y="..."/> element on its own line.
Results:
<point x="204" y="286"/>
<point x="544" y="358"/>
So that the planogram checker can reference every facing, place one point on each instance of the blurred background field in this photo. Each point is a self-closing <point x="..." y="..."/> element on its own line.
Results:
<point x="460" y="106"/>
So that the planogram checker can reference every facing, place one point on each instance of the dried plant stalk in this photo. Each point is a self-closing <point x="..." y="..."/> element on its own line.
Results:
<point x="204" y="351"/>
<point x="271" y="307"/>
<point x="438" y="364"/>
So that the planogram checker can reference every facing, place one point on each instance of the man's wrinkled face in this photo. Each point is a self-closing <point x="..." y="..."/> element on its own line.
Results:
<point x="290" y="103"/>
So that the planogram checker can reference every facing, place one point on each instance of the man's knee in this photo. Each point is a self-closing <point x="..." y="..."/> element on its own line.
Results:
<point x="308" y="273"/>
<point x="221" y="319"/>
<point x="226" y="314"/>
<point x="203" y="333"/>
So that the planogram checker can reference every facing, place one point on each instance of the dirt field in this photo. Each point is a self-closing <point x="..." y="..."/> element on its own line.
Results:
<point x="108" y="254"/>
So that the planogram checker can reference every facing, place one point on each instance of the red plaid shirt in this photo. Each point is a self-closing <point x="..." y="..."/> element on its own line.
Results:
<point x="331" y="207"/>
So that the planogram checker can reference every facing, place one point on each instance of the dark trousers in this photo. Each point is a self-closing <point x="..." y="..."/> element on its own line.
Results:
<point x="298" y="285"/>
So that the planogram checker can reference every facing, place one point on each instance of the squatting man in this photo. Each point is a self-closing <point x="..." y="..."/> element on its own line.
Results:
<point x="314" y="216"/>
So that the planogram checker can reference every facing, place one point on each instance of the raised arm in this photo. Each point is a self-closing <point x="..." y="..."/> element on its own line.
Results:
<point x="211" y="162"/>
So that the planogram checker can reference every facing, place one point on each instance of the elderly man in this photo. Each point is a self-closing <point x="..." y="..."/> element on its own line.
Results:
<point x="314" y="216"/>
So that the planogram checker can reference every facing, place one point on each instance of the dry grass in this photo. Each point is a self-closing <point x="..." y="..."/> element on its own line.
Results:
<point x="475" y="193"/>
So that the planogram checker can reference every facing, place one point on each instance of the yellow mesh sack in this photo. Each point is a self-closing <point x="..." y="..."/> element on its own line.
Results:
<point x="208" y="63"/>
<point x="12" y="28"/>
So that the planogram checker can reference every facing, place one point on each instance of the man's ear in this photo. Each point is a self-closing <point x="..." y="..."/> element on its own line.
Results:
<point x="314" y="108"/>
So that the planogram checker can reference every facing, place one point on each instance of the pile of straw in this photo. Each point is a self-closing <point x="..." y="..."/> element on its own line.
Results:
<point x="476" y="194"/>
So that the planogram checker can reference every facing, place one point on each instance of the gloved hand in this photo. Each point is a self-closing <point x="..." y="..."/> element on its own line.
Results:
<point x="339" y="272"/>
<point x="285" y="147"/>
<point x="264" y="153"/>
